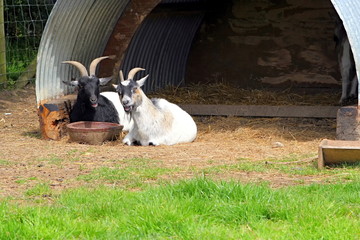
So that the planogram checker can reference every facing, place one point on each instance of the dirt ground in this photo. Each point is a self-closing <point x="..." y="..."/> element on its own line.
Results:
<point x="221" y="140"/>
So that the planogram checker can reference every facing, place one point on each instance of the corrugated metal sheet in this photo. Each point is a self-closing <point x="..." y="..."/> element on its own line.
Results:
<point x="349" y="12"/>
<point x="79" y="30"/>
<point x="161" y="45"/>
<point x="76" y="30"/>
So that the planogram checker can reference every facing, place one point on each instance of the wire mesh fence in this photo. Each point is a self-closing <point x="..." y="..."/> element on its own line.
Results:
<point x="21" y="27"/>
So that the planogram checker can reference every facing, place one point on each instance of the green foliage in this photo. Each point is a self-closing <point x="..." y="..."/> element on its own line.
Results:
<point x="195" y="209"/>
<point x="26" y="17"/>
<point x="24" y="21"/>
<point x="17" y="59"/>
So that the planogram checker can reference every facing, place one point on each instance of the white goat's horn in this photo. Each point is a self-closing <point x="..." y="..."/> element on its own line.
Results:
<point x="133" y="72"/>
<point x="80" y="67"/>
<point x="94" y="64"/>
<point x="121" y="74"/>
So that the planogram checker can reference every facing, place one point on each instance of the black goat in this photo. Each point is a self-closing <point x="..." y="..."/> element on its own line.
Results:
<point x="90" y="105"/>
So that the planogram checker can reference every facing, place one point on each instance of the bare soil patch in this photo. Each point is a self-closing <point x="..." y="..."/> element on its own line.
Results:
<point x="26" y="159"/>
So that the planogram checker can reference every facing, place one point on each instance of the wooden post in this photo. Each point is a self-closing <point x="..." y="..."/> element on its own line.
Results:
<point x="3" y="78"/>
<point x="348" y="123"/>
<point x="54" y="116"/>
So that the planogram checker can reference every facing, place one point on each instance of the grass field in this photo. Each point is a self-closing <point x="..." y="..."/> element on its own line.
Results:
<point x="231" y="183"/>
<point x="194" y="209"/>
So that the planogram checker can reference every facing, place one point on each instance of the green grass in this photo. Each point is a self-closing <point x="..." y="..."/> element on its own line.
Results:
<point x="339" y="173"/>
<point x="132" y="173"/>
<point x="195" y="209"/>
<point x="23" y="181"/>
<point x="51" y="159"/>
<point x="40" y="189"/>
<point x="4" y="162"/>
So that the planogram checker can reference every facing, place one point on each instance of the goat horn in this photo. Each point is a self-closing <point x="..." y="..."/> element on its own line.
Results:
<point x="94" y="64"/>
<point x="133" y="72"/>
<point x="80" y="67"/>
<point x="121" y="74"/>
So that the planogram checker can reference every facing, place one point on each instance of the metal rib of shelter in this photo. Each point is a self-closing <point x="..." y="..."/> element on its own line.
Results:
<point x="349" y="12"/>
<point x="76" y="30"/>
<point x="161" y="45"/>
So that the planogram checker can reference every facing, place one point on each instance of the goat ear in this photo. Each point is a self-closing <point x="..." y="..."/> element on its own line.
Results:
<point x="71" y="83"/>
<point x="116" y="86"/>
<point x="142" y="80"/>
<point x="104" y="81"/>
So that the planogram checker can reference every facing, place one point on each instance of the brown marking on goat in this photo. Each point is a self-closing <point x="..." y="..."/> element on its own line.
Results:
<point x="167" y="116"/>
<point x="168" y="120"/>
<point x="137" y="96"/>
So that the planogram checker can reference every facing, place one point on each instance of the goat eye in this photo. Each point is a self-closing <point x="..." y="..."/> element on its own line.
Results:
<point x="134" y="89"/>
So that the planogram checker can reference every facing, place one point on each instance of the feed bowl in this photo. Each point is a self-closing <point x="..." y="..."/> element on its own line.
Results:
<point x="94" y="133"/>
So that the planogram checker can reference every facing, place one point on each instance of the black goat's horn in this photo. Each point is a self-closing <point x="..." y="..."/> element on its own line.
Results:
<point x="80" y="67"/>
<point x="94" y="64"/>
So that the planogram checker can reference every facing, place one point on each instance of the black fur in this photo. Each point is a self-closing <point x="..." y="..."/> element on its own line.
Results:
<point x="88" y="95"/>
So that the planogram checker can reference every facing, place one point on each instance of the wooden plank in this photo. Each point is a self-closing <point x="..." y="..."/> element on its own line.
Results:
<point x="262" y="111"/>
<point x="338" y="151"/>
<point x="54" y="114"/>
<point x="321" y="162"/>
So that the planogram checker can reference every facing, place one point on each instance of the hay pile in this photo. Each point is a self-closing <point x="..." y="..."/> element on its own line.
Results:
<point x="223" y="93"/>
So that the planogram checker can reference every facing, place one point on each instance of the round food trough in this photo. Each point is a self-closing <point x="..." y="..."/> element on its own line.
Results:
<point x="94" y="133"/>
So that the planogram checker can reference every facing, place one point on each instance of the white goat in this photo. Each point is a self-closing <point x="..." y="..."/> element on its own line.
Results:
<point x="156" y="121"/>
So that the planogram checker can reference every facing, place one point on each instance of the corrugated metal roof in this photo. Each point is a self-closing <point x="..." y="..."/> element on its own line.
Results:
<point x="161" y="45"/>
<point x="79" y="30"/>
<point x="76" y="30"/>
<point x="349" y="12"/>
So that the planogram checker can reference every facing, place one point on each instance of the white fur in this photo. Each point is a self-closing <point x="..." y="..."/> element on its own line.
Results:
<point x="124" y="118"/>
<point x="162" y="123"/>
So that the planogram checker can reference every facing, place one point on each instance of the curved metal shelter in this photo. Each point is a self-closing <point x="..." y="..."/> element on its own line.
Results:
<point x="80" y="30"/>
<point x="349" y="12"/>
<point x="165" y="51"/>
<point x="76" y="30"/>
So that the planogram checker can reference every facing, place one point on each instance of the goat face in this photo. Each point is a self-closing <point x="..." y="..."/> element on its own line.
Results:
<point x="88" y="85"/>
<point x="130" y="93"/>
<point x="88" y="88"/>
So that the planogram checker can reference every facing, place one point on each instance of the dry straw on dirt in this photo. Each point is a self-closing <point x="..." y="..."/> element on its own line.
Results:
<point x="26" y="159"/>
<point x="224" y="93"/>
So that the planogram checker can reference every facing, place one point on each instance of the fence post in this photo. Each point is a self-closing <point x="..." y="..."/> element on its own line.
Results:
<point x="3" y="79"/>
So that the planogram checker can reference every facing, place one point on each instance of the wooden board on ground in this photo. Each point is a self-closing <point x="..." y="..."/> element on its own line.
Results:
<point x="54" y="114"/>
<point x="337" y="152"/>
<point x="262" y="111"/>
